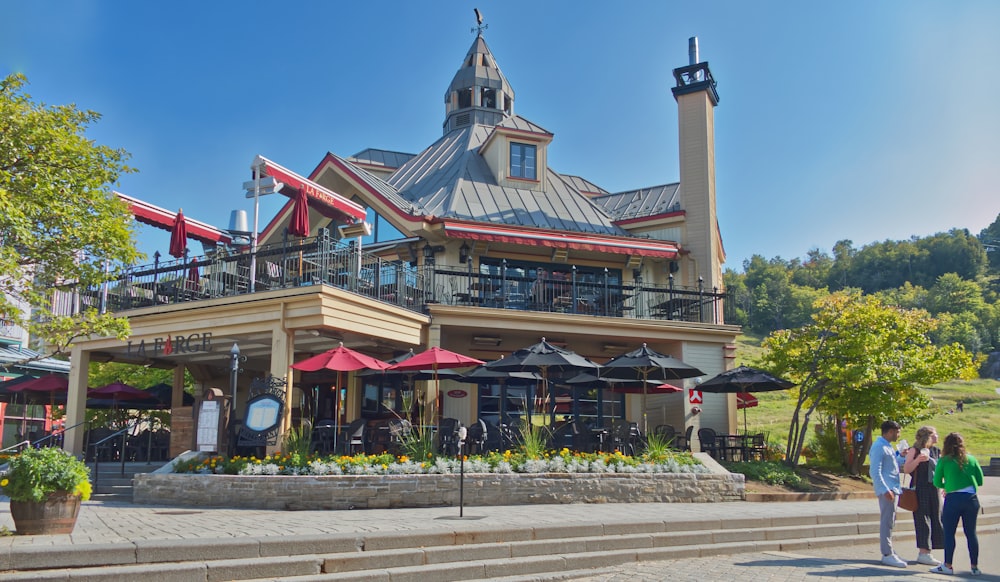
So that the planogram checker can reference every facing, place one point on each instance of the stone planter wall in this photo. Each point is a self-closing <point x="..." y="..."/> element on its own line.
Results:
<point x="386" y="491"/>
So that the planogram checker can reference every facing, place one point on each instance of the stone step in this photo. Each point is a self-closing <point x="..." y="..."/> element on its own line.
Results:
<point x="446" y="555"/>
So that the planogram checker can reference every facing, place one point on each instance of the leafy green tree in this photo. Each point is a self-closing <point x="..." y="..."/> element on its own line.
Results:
<point x="956" y="251"/>
<point x="60" y="225"/>
<point x="861" y="360"/>
<point x="839" y="276"/>
<point x="739" y="297"/>
<point x="989" y="237"/>
<point x="814" y="271"/>
<point x="768" y="284"/>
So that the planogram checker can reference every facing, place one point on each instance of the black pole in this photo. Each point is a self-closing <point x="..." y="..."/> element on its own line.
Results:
<point x="462" y="433"/>
<point x="233" y="378"/>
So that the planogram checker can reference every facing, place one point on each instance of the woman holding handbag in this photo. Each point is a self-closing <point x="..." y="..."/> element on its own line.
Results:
<point x="921" y="460"/>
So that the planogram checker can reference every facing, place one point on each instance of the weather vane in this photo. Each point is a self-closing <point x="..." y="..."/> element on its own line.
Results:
<point x="480" y="27"/>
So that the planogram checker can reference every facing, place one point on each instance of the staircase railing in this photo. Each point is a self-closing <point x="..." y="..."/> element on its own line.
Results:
<point x="97" y="457"/>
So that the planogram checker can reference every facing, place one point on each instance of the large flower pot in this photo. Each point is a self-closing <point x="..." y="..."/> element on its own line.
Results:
<point x="53" y="515"/>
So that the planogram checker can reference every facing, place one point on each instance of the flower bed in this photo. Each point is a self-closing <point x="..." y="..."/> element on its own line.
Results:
<point x="384" y="481"/>
<point x="564" y="461"/>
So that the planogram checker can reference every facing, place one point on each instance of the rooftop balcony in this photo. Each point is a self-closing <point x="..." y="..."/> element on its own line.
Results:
<point x="323" y="260"/>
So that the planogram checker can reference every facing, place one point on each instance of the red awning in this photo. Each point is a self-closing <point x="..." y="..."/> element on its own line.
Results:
<point x="580" y="242"/>
<point x="162" y="218"/>
<point x="325" y="201"/>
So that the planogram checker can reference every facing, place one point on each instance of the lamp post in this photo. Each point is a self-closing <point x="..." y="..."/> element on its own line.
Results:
<point x="255" y="189"/>
<point x="234" y="371"/>
<point x="462" y="433"/>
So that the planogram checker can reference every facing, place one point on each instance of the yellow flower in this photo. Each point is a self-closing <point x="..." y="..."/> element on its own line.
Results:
<point x="4" y="482"/>
<point x="404" y="459"/>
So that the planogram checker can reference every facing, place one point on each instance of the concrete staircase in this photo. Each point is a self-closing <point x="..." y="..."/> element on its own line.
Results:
<point x="519" y="552"/>
<point x="114" y="483"/>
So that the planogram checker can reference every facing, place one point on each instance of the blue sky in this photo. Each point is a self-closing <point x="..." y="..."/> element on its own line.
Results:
<point x="851" y="120"/>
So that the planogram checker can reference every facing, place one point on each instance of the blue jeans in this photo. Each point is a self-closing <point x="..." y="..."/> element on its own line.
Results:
<point x="964" y="506"/>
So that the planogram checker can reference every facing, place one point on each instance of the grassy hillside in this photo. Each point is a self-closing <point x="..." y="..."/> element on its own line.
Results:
<point x="979" y="423"/>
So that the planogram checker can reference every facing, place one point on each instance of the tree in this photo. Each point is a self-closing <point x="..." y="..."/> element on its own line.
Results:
<point x="60" y="225"/>
<point x="989" y="237"/>
<point x="861" y="360"/>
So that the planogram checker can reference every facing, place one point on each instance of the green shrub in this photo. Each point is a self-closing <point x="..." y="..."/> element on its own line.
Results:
<point x="770" y="473"/>
<point x="35" y="473"/>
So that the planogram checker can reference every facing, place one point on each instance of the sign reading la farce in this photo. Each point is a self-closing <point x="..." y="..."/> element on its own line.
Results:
<point x="170" y="345"/>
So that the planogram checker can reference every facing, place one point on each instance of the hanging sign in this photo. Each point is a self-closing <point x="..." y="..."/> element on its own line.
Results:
<point x="694" y="396"/>
<point x="458" y="393"/>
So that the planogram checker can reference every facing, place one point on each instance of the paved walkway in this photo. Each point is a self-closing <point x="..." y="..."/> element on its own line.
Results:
<point x="102" y="523"/>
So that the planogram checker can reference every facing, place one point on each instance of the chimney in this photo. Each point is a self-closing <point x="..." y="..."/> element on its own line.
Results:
<point x="697" y="98"/>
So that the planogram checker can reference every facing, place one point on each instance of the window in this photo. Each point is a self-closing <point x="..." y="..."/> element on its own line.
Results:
<point x="522" y="161"/>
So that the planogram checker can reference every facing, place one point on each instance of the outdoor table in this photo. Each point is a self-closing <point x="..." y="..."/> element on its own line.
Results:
<point x="730" y="446"/>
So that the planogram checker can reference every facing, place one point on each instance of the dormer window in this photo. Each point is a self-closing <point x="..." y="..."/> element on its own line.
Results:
<point x="522" y="161"/>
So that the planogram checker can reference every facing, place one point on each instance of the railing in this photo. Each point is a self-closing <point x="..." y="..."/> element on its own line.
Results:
<point x="57" y="435"/>
<point x="591" y="296"/>
<point x="323" y="260"/>
<point x="97" y="452"/>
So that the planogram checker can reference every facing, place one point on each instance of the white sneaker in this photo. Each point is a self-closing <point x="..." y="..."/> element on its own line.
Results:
<point x="927" y="559"/>
<point x="894" y="561"/>
<point x="942" y="569"/>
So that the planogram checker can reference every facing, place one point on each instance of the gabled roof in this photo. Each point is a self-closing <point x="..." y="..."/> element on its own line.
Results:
<point x="518" y="123"/>
<point x="450" y="179"/>
<point x="642" y="202"/>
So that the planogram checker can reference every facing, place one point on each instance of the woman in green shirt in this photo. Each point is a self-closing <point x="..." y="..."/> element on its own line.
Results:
<point x="959" y="474"/>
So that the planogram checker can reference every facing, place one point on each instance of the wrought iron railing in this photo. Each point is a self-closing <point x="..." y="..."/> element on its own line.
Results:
<point x="323" y="260"/>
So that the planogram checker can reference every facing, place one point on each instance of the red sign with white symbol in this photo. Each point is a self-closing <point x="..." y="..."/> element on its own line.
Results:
<point x="694" y="396"/>
<point x="458" y="393"/>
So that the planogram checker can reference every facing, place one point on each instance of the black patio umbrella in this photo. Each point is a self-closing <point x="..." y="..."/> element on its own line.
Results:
<point x="744" y="380"/>
<point x="645" y="364"/>
<point x="164" y="394"/>
<point x="543" y="358"/>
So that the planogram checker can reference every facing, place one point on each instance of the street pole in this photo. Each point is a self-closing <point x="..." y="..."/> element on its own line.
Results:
<point x="234" y="371"/>
<point x="462" y="433"/>
<point x="258" y="166"/>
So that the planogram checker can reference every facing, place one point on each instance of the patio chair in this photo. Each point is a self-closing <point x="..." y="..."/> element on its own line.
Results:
<point x="476" y="439"/>
<point x="448" y="444"/>
<point x="354" y="437"/>
<point x="707" y="438"/>
<point x="322" y="438"/>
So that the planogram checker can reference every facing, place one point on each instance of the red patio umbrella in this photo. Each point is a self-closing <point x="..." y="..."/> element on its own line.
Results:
<point x="193" y="278"/>
<point x="745" y="400"/>
<point x="119" y="391"/>
<point x="435" y="359"/>
<point x="54" y="385"/>
<point x="339" y="359"/>
<point x="178" y="236"/>
<point x="299" y="225"/>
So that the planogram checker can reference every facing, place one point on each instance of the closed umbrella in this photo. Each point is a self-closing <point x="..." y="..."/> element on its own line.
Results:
<point x="436" y="359"/>
<point x="646" y="364"/>
<point x="339" y="359"/>
<point x="299" y="224"/>
<point x="178" y="236"/>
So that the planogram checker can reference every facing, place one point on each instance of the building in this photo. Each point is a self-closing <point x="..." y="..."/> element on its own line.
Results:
<point x="496" y="250"/>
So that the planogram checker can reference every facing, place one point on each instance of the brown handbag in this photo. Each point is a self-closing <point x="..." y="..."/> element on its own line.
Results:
<point x="908" y="499"/>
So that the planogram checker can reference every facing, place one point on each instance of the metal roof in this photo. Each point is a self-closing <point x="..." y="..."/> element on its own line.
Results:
<point x="450" y="179"/>
<point x="385" y="158"/>
<point x="30" y="360"/>
<point x="642" y="202"/>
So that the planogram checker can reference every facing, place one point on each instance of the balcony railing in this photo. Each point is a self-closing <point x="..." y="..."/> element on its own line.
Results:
<point x="324" y="260"/>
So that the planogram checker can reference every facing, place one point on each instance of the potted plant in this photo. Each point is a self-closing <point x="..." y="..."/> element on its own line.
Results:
<point x="45" y="487"/>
